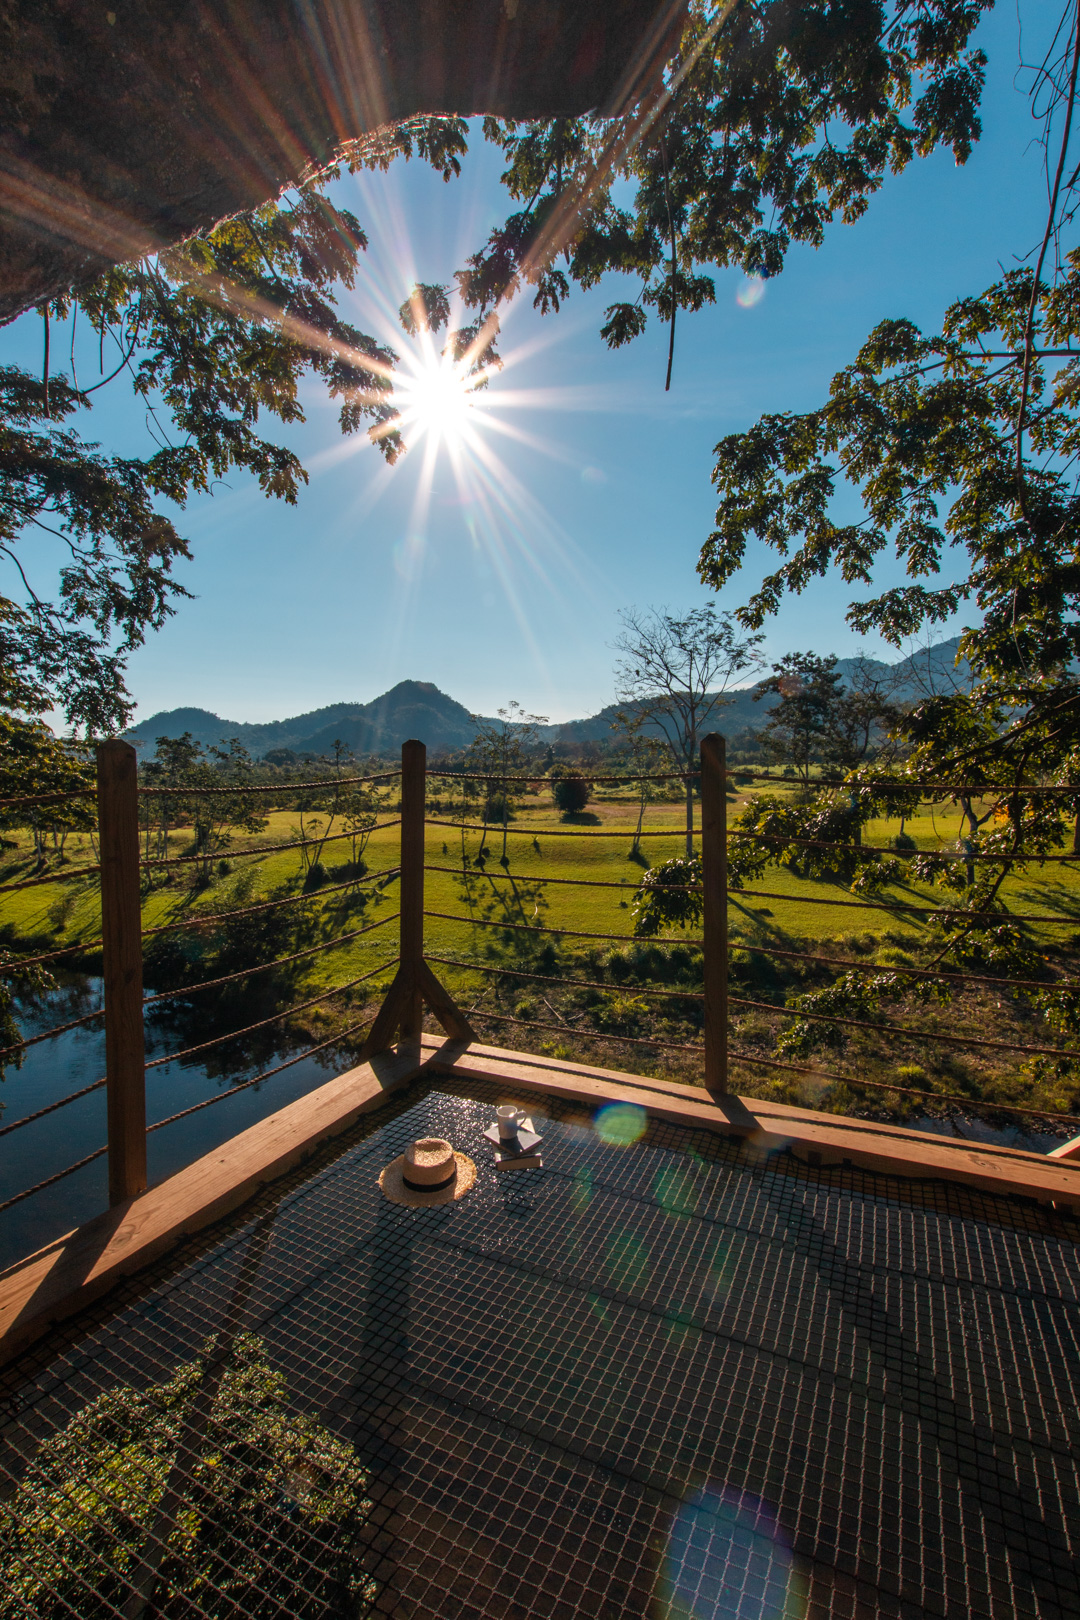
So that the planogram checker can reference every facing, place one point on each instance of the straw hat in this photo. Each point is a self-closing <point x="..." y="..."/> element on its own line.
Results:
<point x="428" y="1173"/>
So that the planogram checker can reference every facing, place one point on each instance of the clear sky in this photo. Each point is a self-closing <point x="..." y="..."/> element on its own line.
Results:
<point x="502" y="576"/>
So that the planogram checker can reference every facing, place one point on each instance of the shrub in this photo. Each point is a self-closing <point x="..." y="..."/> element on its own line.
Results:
<point x="571" y="793"/>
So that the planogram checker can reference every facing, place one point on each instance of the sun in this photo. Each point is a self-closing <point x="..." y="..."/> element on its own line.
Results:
<point x="436" y="397"/>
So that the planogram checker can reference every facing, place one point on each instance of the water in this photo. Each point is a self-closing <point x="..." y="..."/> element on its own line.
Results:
<point x="65" y="1064"/>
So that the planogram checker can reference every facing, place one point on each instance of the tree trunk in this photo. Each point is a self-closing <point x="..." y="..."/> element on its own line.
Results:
<point x="689" y="817"/>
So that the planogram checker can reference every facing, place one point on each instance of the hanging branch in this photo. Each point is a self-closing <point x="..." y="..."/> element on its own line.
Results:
<point x="1029" y="329"/>
<point x="671" y="231"/>
<point x="45" y="362"/>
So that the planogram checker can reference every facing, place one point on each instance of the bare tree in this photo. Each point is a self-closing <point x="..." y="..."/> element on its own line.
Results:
<point x="674" y="673"/>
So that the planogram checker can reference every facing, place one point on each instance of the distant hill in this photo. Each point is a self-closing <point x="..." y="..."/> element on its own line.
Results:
<point x="410" y="709"/>
<point x="419" y="709"/>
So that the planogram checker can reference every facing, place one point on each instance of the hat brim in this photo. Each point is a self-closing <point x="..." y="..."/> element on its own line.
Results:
<point x="393" y="1185"/>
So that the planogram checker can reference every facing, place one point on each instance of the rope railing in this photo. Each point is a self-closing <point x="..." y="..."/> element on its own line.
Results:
<point x="227" y="854"/>
<point x="50" y="1181"/>
<point x="49" y="877"/>
<point x="495" y="829"/>
<point x="264" y="1023"/>
<point x="742" y="775"/>
<point x="211" y="919"/>
<point x="571" y="982"/>
<point x="548" y="978"/>
<point x="534" y="877"/>
<point x="51" y="1108"/>
<point x="978" y="1103"/>
<point x="267" y="1074"/>
<point x="902" y="907"/>
<point x="540" y="928"/>
<point x="321" y="784"/>
<point x="898" y="969"/>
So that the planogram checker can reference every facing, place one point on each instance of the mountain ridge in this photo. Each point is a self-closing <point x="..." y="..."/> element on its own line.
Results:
<point x="421" y="709"/>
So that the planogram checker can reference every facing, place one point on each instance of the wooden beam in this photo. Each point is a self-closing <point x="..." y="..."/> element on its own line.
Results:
<point x="715" y="933"/>
<point x="817" y="1139"/>
<point x="81" y="1266"/>
<point x="413" y="791"/>
<point x="121" y="950"/>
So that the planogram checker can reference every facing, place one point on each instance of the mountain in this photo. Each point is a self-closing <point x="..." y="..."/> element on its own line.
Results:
<point x="419" y="709"/>
<point x="410" y="709"/>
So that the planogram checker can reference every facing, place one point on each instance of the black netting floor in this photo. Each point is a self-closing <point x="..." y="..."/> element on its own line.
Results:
<point x="659" y="1377"/>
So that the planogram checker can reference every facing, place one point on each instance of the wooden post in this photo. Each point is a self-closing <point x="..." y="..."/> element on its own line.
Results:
<point x="121" y="936"/>
<point x="413" y="790"/>
<point x="715" y="932"/>
<point x="714" y="877"/>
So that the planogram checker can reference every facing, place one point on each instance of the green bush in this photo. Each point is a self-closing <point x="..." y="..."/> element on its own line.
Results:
<point x="571" y="793"/>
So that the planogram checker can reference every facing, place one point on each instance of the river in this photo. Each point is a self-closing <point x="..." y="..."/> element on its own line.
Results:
<point x="68" y="1062"/>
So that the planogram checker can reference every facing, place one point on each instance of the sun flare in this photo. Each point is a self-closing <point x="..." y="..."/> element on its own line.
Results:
<point x="437" y="401"/>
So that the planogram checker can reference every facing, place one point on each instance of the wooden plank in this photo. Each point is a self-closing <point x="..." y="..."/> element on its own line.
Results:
<point x="443" y="1005"/>
<point x="413" y="792"/>
<point x="819" y="1139"/>
<point x="81" y="1266"/>
<point x="1067" y="1150"/>
<point x="714" y="918"/>
<point x="121" y="951"/>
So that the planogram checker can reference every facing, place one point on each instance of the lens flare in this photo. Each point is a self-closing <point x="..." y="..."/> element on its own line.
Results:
<point x="751" y="292"/>
<point x="727" y="1559"/>
<point x="621" y="1124"/>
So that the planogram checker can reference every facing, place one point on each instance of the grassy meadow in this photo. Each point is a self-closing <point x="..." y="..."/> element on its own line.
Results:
<point x="584" y="1023"/>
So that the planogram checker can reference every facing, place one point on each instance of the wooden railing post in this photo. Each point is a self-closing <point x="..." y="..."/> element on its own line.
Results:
<point x="413" y="791"/>
<point x="714" y="878"/>
<point x="121" y="940"/>
<point x="740" y="1121"/>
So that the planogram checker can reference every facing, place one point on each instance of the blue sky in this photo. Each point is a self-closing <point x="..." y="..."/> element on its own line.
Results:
<point x="506" y="582"/>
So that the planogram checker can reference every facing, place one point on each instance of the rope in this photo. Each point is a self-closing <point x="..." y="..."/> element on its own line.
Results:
<point x="61" y="1029"/>
<point x="28" y="1119"/>
<point x="494" y="828"/>
<point x="908" y="1034"/>
<point x="538" y="928"/>
<point x="52" y="877"/>
<point x="265" y="787"/>
<point x="911" y="972"/>
<point x="905" y="1091"/>
<point x="49" y="798"/>
<point x="51" y="1180"/>
<point x="778" y="840"/>
<point x="11" y="969"/>
<point x="265" y="967"/>
<point x="588" y="1034"/>
<point x="549" y="781"/>
<point x="532" y="877"/>
<point x="793" y="1068"/>
<point x="902" y="906"/>
<point x="547" y="978"/>
<point x="259" y="849"/>
<point x="275" y="1018"/>
<point x="220" y="1096"/>
<point x="266" y="905"/>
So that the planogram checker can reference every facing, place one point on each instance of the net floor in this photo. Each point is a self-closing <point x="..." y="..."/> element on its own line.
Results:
<point x="659" y="1377"/>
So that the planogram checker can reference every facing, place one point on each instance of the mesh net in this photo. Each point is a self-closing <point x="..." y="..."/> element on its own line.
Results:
<point x="658" y="1377"/>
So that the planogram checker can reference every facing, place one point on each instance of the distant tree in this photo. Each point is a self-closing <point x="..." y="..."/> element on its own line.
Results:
<point x="642" y="757"/>
<point x="674" y="674"/>
<point x="571" y="791"/>
<point x="35" y="762"/>
<point x="504" y="747"/>
<point x="866" y="717"/>
<point x="802" y="726"/>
